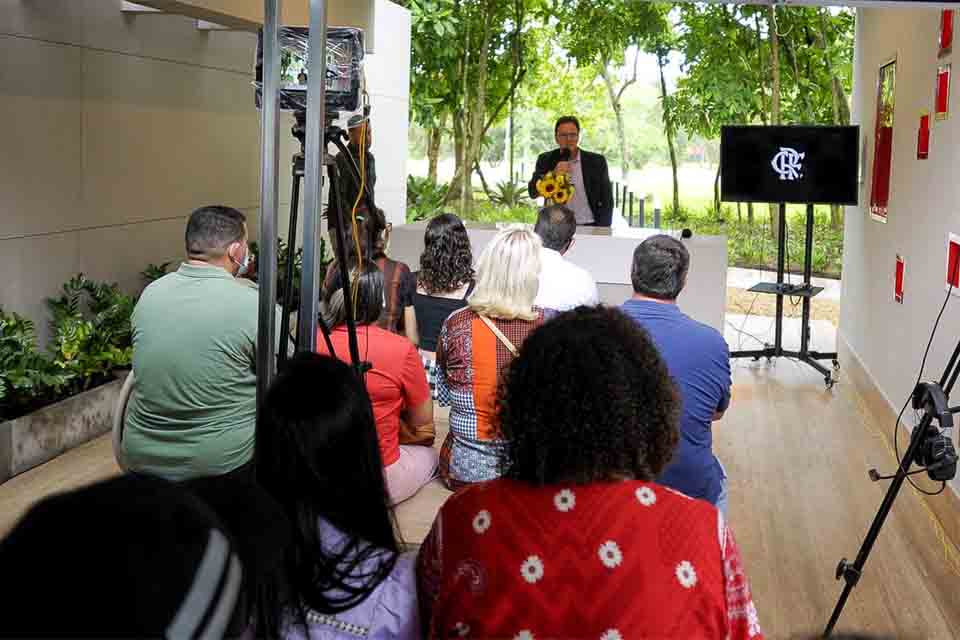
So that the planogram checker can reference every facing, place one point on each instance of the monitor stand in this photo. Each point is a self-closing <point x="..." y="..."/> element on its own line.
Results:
<point x="805" y="291"/>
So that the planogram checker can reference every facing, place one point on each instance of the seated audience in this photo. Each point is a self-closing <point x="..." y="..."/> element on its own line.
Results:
<point x="129" y="557"/>
<point x="476" y="343"/>
<point x="396" y="383"/>
<point x="577" y="540"/>
<point x="697" y="357"/>
<point x="444" y="281"/>
<point x="193" y="406"/>
<point x="399" y="282"/>
<point x="563" y="285"/>
<point x="317" y="454"/>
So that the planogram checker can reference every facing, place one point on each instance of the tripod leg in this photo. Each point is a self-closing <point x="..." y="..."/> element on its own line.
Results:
<point x="339" y="219"/>
<point x="288" y="276"/>
<point x="781" y="258"/>
<point x="851" y="572"/>
<point x="807" y="272"/>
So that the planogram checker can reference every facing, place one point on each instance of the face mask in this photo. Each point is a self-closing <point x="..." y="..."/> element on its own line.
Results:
<point x="244" y="265"/>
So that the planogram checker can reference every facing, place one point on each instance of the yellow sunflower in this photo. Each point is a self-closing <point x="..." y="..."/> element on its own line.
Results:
<point x="547" y="186"/>
<point x="563" y="196"/>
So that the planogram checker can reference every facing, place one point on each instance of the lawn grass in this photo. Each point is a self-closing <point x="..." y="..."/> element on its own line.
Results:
<point x="750" y="244"/>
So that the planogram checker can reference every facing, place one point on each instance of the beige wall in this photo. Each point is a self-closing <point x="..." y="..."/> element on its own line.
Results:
<point x="115" y="126"/>
<point x="889" y="338"/>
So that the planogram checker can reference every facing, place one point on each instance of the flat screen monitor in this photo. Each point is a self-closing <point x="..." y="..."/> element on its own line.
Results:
<point x="794" y="164"/>
<point x="344" y="68"/>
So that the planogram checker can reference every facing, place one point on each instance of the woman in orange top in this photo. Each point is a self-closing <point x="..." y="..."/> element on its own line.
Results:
<point x="396" y="382"/>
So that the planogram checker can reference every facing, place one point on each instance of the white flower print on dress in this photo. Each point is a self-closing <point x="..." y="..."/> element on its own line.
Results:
<point x="461" y="629"/>
<point x="482" y="521"/>
<point x="646" y="496"/>
<point x="532" y="569"/>
<point x="610" y="554"/>
<point x="753" y="620"/>
<point x="686" y="574"/>
<point x="524" y="635"/>
<point x="611" y="634"/>
<point x="565" y="500"/>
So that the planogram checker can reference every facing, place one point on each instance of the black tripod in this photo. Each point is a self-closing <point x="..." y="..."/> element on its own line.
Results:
<point x="332" y="135"/>
<point x="929" y="448"/>
<point x="805" y="291"/>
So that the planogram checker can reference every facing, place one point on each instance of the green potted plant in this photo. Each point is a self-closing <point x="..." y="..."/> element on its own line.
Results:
<point x="50" y="403"/>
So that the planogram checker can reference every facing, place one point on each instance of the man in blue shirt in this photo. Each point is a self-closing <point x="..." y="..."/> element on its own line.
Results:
<point x="698" y="360"/>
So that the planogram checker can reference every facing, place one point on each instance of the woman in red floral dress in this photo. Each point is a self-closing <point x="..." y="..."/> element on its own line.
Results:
<point x="576" y="540"/>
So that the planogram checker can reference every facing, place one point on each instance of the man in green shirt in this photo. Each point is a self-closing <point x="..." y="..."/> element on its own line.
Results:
<point x="193" y="408"/>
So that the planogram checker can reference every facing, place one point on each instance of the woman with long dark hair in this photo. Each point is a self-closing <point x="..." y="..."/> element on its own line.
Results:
<point x="370" y="236"/>
<point x="444" y="281"/>
<point x="396" y="382"/>
<point x="318" y="456"/>
<point x="576" y="540"/>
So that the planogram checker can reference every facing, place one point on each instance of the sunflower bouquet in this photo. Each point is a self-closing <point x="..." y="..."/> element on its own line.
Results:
<point x="556" y="187"/>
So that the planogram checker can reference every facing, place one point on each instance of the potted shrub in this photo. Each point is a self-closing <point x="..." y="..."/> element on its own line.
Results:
<point x="52" y="403"/>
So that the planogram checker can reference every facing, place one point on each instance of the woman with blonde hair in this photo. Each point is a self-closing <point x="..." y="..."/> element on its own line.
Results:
<point x="476" y="343"/>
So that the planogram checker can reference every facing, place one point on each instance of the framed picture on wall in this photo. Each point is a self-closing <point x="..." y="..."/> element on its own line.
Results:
<point x="883" y="141"/>
<point x="942" y="97"/>
<point x="923" y="137"/>
<point x="946" y="32"/>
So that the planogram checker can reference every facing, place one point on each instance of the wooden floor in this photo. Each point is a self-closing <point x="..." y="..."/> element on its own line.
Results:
<point x="800" y="499"/>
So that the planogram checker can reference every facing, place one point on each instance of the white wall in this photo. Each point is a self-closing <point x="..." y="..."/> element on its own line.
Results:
<point x="889" y="338"/>
<point x="114" y="127"/>
<point x="388" y="83"/>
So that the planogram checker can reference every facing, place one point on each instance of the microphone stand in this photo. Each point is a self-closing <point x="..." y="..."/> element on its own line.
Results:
<point x="931" y="398"/>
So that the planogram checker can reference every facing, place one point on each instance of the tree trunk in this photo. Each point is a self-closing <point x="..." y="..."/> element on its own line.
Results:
<point x="464" y="169"/>
<point x="455" y="191"/>
<point x="841" y="110"/>
<point x="739" y="213"/>
<point x="750" y="213"/>
<point x="804" y="98"/>
<point x="668" y="129"/>
<point x="716" y="194"/>
<point x="618" y="117"/>
<point x="763" y="86"/>
<point x="483" y="180"/>
<point x="774" y="101"/>
<point x="434" y="139"/>
<point x="474" y="124"/>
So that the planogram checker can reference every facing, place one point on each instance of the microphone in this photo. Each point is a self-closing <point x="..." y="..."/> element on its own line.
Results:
<point x="564" y="155"/>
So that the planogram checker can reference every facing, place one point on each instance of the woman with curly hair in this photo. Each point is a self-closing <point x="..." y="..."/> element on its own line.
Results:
<point x="444" y="281"/>
<point x="576" y="540"/>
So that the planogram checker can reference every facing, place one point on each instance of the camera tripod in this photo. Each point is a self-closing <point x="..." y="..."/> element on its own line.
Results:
<point x="930" y="448"/>
<point x="335" y="212"/>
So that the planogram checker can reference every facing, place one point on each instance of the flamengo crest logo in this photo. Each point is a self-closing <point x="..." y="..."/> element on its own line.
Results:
<point x="788" y="164"/>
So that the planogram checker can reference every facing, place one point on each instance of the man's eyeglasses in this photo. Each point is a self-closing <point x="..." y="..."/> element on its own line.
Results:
<point x="568" y="136"/>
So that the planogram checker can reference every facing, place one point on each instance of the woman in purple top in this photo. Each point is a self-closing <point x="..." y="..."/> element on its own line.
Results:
<point x="317" y="455"/>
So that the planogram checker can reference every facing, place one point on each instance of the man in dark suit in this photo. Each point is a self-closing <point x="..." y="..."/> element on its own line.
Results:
<point x="592" y="201"/>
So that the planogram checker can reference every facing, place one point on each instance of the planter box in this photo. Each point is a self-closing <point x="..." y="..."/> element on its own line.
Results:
<point x="31" y="440"/>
